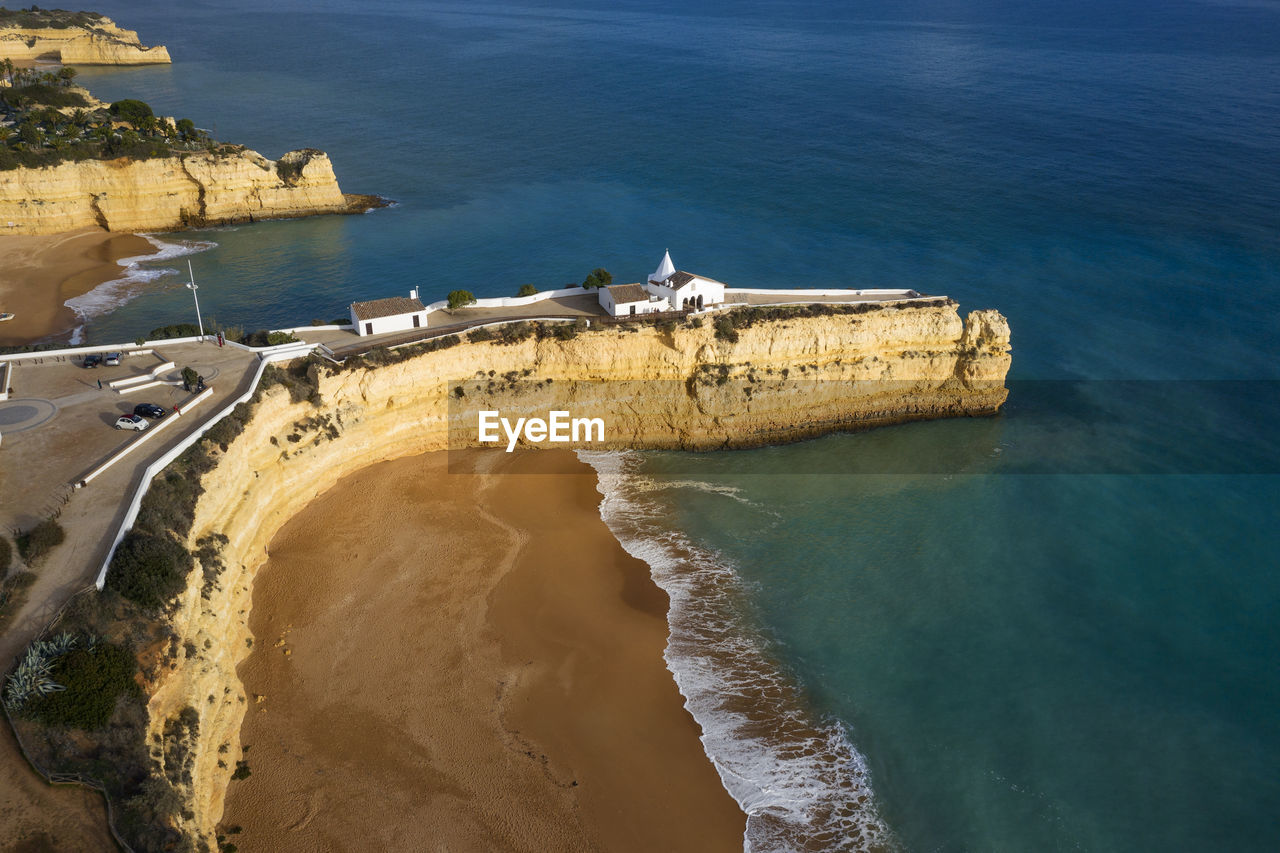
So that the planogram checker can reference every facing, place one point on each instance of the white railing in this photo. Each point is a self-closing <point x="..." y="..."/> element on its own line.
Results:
<point x="905" y="293"/>
<point x="131" y="514"/>
<point x="6" y="377"/>
<point x="123" y="349"/>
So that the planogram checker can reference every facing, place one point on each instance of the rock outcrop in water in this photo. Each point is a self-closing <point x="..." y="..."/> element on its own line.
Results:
<point x="88" y="41"/>
<point x="188" y="190"/>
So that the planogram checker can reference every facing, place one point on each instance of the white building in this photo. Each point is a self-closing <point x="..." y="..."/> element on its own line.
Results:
<point x="668" y="289"/>
<point x="625" y="299"/>
<point x="395" y="314"/>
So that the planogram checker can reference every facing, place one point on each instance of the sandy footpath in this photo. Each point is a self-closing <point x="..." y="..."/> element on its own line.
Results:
<point x="466" y="662"/>
<point x="38" y="274"/>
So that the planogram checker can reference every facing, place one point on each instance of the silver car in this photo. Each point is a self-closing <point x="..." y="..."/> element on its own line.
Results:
<point x="131" y="422"/>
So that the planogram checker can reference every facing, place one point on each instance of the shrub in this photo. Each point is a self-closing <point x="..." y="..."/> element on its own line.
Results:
<point x="190" y="378"/>
<point x="178" y="330"/>
<point x="6" y="555"/>
<point x="35" y="543"/>
<point x="94" y="680"/>
<point x="459" y="298"/>
<point x="478" y="335"/>
<point x="148" y="569"/>
<point x="274" y="339"/>
<point x="340" y="321"/>
<point x="242" y="771"/>
<point x="725" y="330"/>
<point x="132" y="111"/>
<point x="598" y="277"/>
<point x="526" y="290"/>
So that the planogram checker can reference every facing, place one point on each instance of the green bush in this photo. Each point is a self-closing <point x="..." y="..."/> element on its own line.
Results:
<point x="725" y="330"/>
<point x="94" y="680"/>
<point x="178" y="330"/>
<point x="526" y="290"/>
<point x="132" y="111"/>
<point x="459" y="298"/>
<point x="35" y="543"/>
<point x="276" y="338"/>
<point x="148" y="569"/>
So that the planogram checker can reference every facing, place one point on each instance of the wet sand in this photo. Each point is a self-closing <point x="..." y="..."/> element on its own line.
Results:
<point x="473" y="663"/>
<point x="38" y="274"/>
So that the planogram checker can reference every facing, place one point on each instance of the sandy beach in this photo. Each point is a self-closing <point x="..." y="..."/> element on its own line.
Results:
<point x="38" y="274"/>
<point x="466" y="662"/>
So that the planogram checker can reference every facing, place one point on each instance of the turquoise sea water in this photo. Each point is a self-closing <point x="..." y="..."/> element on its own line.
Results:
<point x="991" y="658"/>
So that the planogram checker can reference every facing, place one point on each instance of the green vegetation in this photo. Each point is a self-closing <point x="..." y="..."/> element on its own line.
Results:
<point x="460" y="298"/>
<point x="36" y="18"/>
<point x="36" y="543"/>
<point x="526" y="290"/>
<point x="149" y="568"/>
<point x="242" y="771"/>
<point x="53" y="123"/>
<point x="178" y="330"/>
<point x="598" y="277"/>
<point x="94" y="680"/>
<point x="13" y="592"/>
<point x="725" y="329"/>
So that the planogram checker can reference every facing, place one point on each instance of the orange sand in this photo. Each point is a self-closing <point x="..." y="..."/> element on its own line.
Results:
<point x="473" y="663"/>
<point x="38" y="274"/>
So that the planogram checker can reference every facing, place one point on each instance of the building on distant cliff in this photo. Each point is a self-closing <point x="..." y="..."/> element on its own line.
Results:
<point x="394" y="314"/>
<point x="668" y="289"/>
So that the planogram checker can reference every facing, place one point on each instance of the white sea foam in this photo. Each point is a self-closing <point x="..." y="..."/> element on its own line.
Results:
<point x="110" y="295"/>
<point x="800" y="781"/>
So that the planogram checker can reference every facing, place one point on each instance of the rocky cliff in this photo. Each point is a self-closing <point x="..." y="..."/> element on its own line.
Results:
<point x="169" y="193"/>
<point x="96" y="42"/>
<point x="656" y="387"/>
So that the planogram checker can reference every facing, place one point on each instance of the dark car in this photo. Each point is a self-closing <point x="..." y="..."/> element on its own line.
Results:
<point x="148" y="410"/>
<point x="92" y="360"/>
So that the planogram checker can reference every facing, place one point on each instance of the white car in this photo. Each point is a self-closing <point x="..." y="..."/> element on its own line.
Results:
<point x="131" y="422"/>
<point x="5" y="315"/>
<point x="113" y="359"/>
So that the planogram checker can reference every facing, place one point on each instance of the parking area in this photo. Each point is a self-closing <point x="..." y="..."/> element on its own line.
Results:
<point x="59" y="422"/>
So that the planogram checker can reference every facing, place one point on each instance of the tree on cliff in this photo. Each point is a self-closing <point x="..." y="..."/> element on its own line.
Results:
<point x="527" y="290"/>
<point x="132" y="111"/>
<point x="598" y="277"/>
<point x="459" y="298"/>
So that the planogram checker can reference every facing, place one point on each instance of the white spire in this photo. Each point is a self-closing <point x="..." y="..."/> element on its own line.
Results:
<point x="666" y="269"/>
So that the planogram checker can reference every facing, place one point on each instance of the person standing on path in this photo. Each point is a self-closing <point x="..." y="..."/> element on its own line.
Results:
<point x="99" y="384"/>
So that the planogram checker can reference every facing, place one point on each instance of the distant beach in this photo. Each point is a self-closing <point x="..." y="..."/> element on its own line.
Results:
<point x="39" y="274"/>
<point x="471" y="659"/>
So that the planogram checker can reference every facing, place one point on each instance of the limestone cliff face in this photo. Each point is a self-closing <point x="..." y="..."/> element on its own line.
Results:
<point x="168" y="194"/>
<point x="103" y="43"/>
<point x="807" y="375"/>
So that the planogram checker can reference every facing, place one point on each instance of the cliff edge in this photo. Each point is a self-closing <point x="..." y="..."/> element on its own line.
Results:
<point x="79" y="38"/>
<point x="790" y="373"/>
<point x="185" y="190"/>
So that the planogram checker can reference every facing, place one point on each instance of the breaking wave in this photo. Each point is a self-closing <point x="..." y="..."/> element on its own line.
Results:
<point x="110" y="295"/>
<point x="801" y="782"/>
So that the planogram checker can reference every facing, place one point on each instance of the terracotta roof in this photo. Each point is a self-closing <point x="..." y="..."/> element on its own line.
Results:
<point x="628" y="293"/>
<point x="680" y="278"/>
<point x="386" y="307"/>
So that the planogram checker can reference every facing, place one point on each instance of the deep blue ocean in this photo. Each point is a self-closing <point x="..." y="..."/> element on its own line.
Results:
<point x="1065" y="637"/>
